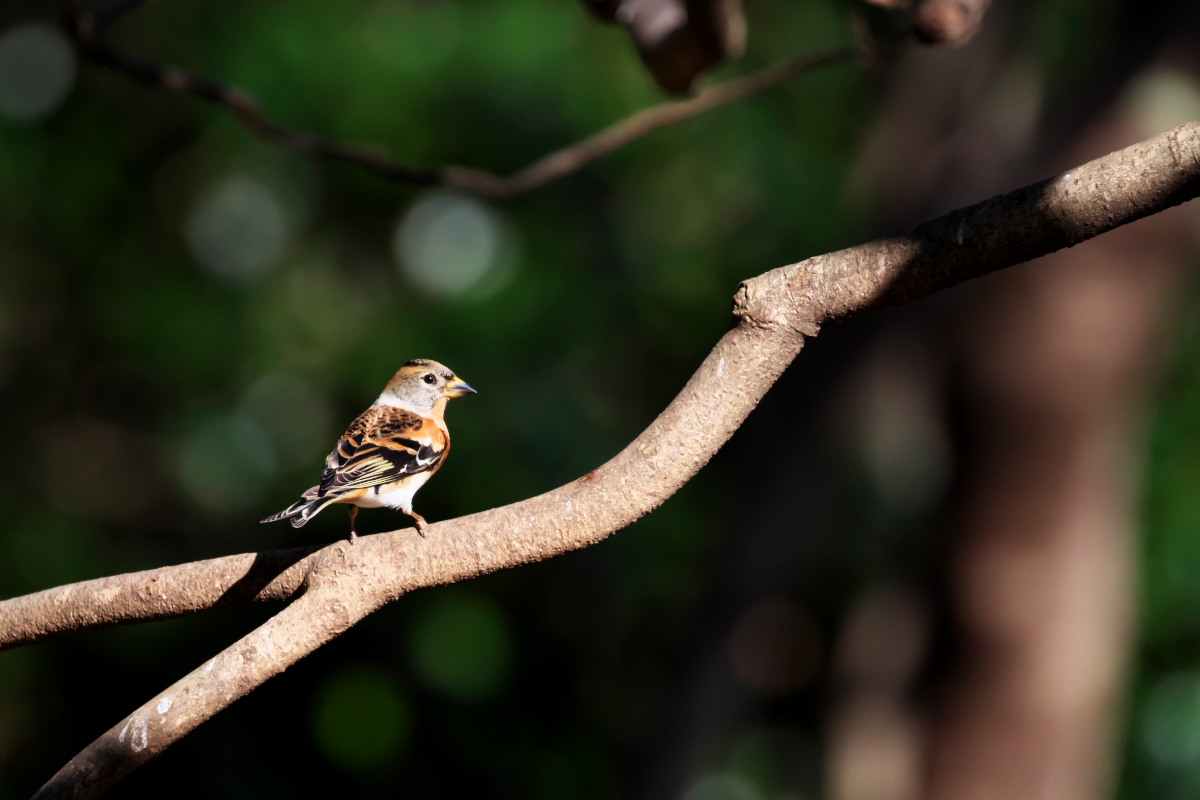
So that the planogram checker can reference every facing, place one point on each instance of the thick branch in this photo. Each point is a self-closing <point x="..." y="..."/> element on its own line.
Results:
<point x="309" y="622"/>
<point x="773" y="314"/>
<point x="154" y="594"/>
<point x="1006" y="230"/>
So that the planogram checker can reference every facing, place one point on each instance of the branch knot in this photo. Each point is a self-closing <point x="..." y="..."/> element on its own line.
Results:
<point x="777" y="300"/>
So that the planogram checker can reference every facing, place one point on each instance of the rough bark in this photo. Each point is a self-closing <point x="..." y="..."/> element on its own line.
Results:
<point x="773" y="313"/>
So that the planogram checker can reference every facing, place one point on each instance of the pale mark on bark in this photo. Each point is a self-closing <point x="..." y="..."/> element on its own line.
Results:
<point x="139" y="737"/>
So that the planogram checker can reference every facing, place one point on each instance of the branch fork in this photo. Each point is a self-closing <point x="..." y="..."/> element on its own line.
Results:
<point x="334" y="587"/>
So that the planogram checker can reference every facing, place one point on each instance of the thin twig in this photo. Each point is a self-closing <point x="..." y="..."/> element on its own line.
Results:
<point x="570" y="159"/>
<point x="85" y="27"/>
<point x="106" y="16"/>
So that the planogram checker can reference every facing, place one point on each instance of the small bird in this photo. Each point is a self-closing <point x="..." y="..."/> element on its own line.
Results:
<point x="390" y="451"/>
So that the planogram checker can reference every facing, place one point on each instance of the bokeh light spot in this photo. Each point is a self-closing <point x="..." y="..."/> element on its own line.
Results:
<point x="237" y="228"/>
<point x="37" y="70"/>
<point x="225" y="463"/>
<point x="771" y="759"/>
<point x="1171" y="720"/>
<point x="1163" y="98"/>
<point x="437" y="26"/>
<point x="448" y="243"/>
<point x="360" y="718"/>
<point x="462" y="646"/>
<point x="295" y="415"/>
<point x="724" y="786"/>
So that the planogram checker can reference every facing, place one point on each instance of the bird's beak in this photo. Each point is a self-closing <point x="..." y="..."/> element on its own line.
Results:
<point x="457" y="388"/>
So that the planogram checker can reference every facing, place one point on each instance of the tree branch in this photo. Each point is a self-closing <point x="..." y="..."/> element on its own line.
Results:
<point x="773" y="313"/>
<point x="162" y="593"/>
<point x="570" y="159"/>
<point x="85" y="28"/>
<point x="1006" y="230"/>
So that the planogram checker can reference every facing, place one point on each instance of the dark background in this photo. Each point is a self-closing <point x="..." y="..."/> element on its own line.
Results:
<point x="189" y="318"/>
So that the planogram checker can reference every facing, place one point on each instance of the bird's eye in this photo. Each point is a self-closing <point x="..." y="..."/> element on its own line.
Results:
<point x="431" y="379"/>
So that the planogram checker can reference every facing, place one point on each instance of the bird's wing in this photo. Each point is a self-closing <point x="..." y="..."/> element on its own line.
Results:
<point x="383" y="445"/>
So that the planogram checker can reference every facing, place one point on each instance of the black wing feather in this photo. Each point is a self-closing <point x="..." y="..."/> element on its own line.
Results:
<point x="359" y="463"/>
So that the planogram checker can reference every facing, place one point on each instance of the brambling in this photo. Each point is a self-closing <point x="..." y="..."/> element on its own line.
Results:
<point x="390" y="451"/>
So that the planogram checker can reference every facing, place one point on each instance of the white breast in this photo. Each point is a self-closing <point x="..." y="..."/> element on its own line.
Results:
<point x="394" y="496"/>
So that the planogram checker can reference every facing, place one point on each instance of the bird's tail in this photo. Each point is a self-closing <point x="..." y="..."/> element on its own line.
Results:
<point x="304" y="509"/>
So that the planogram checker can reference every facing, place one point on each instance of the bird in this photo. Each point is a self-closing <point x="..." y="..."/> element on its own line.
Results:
<point x="390" y="451"/>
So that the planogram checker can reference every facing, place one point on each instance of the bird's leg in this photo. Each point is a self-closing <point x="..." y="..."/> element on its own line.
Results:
<point x="353" y="516"/>
<point x="422" y="525"/>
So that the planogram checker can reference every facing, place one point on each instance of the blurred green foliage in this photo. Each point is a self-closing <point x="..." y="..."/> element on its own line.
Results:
<point x="360" y="718"/>
<point x="189" y="317"/>
<point x="1164" y="729"/>
<point x="461" y="646"/>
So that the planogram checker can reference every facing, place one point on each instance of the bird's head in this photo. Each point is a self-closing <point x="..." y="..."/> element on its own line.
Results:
<point x="421" y="384"/>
